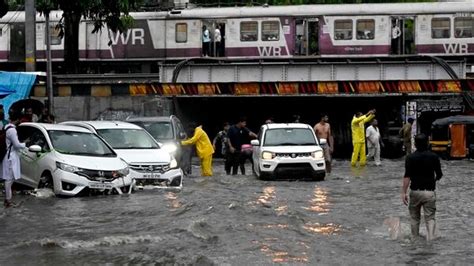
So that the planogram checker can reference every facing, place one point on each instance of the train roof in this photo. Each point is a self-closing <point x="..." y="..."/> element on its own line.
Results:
<point x="286" y="11"/>
<point x="327" y="10"/>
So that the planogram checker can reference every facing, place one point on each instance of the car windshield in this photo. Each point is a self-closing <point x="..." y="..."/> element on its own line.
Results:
<point x="79" y="143"/>
<point x="128" y="138"/>
<point x="289" y="137"/>
<point x="159" y="130"/>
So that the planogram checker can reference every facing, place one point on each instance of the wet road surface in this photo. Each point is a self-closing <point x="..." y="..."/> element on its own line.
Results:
<point x="355" y="216"/>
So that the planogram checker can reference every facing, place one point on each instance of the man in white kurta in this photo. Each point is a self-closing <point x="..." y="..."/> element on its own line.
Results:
<point x="11" y="162"/>
<point x="373" y="142"/>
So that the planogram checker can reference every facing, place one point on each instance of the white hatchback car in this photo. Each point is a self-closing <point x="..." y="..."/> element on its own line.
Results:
<point x="284" y="150"/>
<point x="149" y="164"/>
<point x="70" y="160"/>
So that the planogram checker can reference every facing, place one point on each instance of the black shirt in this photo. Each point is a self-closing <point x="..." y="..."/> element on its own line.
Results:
<point x="421" y="167"/>
<point x="236" y="136"/>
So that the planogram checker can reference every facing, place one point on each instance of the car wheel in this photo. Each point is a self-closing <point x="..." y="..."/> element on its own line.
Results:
<point x="46" y="181"/>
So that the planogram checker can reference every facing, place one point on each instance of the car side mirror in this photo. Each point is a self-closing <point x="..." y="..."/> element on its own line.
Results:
<point x="35" y="148"/>
<point x="323" y="142"/>
<point x="182" y="135"/>
<point x="255" y="142"/>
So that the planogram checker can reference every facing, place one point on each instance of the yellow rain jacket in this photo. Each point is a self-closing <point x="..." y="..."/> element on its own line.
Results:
<point x="358" y="128"/>
<point x="203" y="143"/>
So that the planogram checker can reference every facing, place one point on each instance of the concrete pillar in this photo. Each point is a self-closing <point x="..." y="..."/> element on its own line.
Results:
<point x="30" y="35"/>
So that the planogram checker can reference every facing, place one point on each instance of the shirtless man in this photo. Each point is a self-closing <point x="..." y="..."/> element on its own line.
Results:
<point x="323" y="131"/>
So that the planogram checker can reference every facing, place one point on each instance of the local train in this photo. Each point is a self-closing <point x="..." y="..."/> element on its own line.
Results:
<point x="321" y="31"/>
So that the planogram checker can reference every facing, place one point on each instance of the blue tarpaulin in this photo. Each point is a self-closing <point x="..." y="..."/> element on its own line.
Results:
<point x="5" y="91"/>
<point x="19" y="83"/>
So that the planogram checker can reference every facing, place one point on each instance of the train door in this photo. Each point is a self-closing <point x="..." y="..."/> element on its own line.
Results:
<point x="220" y="49"/>
<point x="17" y="42"/>
<point x="403" y="35"/>
<point x="312" y="36"/>
<point x="307" y="37"/>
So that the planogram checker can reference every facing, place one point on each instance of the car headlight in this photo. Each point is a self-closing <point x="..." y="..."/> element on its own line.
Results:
<point x="317" y="154"/>
<point x="173" y="163"/>
<point x="268" y="155"/>
<point x="170" y="147"/>
<point x="67" y="167"/>
<point x="122" y="172"/>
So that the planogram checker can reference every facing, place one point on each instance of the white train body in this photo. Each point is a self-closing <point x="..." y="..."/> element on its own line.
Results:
<point x="365" y="30"/>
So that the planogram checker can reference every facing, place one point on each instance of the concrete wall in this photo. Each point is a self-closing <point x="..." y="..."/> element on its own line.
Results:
<point x="108" y="108"/>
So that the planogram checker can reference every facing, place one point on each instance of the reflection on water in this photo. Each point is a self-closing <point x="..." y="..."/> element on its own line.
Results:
<point x="324" y="229"/>
<point x="279" y="255"/>
<point x="359" y="171"/>
<point x="319" y="202"/>
<point x="174" y="202"/>
<point x="268" y="195"/>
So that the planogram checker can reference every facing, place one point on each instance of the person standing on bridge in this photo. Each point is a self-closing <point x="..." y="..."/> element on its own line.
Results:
<point x="204" y="148"/>
<point x="206" y="41"/>
<point x="358" y="136"/>
<point x="217" y="41"/>
<point x="420" y="169"/>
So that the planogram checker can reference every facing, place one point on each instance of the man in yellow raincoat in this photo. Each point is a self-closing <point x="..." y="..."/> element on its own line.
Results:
<point x="358" y="136"/>
<point x="204" y="149"/>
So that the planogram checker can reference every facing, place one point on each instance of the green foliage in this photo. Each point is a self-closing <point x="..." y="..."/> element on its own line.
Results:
<point x="113" y="13"/>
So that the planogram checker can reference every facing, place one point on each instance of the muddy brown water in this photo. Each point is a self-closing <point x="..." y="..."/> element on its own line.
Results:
<point x="353" y="217"/>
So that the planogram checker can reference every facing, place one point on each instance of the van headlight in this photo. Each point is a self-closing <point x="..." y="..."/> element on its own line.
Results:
<point x="317" y="154"/>
<point x="67" y="167"/>
<point x="170" y="147"/>
<point x="268" y="155"/>
<point x="173" y="164"/>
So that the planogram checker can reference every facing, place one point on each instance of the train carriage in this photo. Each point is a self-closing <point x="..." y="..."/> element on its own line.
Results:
<point x="364" y="30"/>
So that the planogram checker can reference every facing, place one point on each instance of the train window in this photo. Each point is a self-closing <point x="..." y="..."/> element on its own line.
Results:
<point x="440" y="28"/>
<point x="54" y="33"/>
<point x="463" y="27"/>
<point x="343" y="29"/>
<point x="248" y="31"/>
<point x="365" y="29"/>
<point x="181" y="32"/>
<point x="270" y="30"/>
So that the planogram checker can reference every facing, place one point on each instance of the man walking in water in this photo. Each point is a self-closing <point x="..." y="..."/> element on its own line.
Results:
<point x="420" y="169"/>
<point x="323" y="131"/>
<point x="374" y="142"/>
<point x="405" y="133"/>
<point x="358" y="136"/>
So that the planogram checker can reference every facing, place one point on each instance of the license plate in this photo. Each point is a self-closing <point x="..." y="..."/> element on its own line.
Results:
<point x="98" y="185"/>
<point x="151" y="176"/>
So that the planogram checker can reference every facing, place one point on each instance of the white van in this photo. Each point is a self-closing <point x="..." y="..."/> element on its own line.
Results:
<point x="71" y="161"/>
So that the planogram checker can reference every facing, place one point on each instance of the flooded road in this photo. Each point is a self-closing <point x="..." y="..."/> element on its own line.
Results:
<point x="354" y="217"/>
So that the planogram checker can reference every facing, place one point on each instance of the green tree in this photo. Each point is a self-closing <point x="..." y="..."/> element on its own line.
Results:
<point x="112" y="13"/>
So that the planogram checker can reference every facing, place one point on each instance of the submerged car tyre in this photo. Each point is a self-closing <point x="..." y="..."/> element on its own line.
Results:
<point x="46" y="181"/>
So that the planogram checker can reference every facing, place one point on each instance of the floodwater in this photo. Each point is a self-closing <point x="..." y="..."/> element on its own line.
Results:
<point x="354" y="217"/>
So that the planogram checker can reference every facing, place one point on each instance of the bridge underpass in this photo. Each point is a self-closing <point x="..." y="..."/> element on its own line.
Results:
<point x="212" y="112"/>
